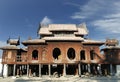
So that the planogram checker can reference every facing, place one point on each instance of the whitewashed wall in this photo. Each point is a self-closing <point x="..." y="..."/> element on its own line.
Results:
<point x="5" y="70"/>
<point x="0" y="67"/>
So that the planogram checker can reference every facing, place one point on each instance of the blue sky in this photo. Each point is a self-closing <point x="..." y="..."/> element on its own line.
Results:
<point x="22" y="17"/>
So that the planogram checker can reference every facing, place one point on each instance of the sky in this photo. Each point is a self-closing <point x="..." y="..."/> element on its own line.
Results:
<point x="22" y="17"/>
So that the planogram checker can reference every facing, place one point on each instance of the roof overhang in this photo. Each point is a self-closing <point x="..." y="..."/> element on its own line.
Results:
<point x="92" y="42"/>
<point x="33" y="42"/>
<point x="10" y="47"/>
<point x="63" y="38"/>
<point x="111" y="48"/>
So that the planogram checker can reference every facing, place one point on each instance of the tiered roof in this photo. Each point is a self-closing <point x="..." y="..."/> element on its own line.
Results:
<point x="77" y="29"/>
<point x="47" y="33"/>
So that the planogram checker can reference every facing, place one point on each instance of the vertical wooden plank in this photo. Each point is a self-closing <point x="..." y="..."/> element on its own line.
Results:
<point x="49" y="69"/>
<point x="14" y="69"/>
<point x="39" y="70"/>
<point x="64" y="70"/>
<point x="28" y="70"/>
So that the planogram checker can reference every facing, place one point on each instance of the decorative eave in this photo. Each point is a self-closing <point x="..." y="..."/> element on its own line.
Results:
<point x="24" y="49"/>
<point x="34" y="41"/>
<point x="63" y="38"/>
<point x="13" y="41"/>
<point x="10" y="47"/>
<point x="44" y="31"/>
<point x="111" y="48"/>
<point x="93" y="42"/>
<point x="81" y="29"/>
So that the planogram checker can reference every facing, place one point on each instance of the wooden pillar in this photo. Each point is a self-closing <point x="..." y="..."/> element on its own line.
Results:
<point x="79" y="68"/>
<point x="49" y="69"/>
<point x="39" y="70"/>
<point x="89" y="68"/>
<point x="14" y="69"/>
<point x="27" y="70"/>
<point x="64" y="70"/>
<point x="2" y="70"/>
<point x="18" y="72"/>
<point x="76" y="70"/>
<point x="111" y="70"/>
<point x="99" y="69"/>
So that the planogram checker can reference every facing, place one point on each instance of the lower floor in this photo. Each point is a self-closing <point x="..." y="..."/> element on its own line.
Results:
<point x="57" y="70"/>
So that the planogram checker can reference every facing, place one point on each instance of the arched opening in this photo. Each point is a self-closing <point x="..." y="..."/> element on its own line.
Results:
<point x="56" y="53"/>
<point x="82" y="55"/>
<point x="71" y="53"/>
<point x="35" y="55"/>
<point x="92" y="54"/>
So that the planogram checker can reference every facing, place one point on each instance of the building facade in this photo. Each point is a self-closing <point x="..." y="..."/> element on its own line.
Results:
<point x="61" y="49"/>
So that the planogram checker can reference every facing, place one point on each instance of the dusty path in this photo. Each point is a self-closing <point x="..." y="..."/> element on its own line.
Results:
<point x="61" y="79"/>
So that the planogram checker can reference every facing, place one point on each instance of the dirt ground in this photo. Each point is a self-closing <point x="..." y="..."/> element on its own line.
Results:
<point x="61" y="79"/>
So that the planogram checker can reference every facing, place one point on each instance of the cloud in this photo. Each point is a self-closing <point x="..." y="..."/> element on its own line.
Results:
<point x="3" y="43"/>
<point x="90" y="9"/>
<point x="102" y="14"/>
<point x="110" y="22"/>
<point x="73" y="4"/>
<point x="46" y="20"/>
<point x="109" y="25"/>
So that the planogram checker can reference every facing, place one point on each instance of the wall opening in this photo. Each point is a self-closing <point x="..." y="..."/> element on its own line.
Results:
<point x="10" y="70"/>
<point x="18" y="56"/>
<point x="44" y="70"/>
<point x="56" y="70"/>
<point x="92" y="54"/>
<point x="82" y="55"/>
<point x="84" y="69"/>
<point x="71" y="69"/>
<point x="71" y="53"/>
<point x="35" y="55"/>
<point x="34" y="70"/>
<point x="56" y="53"/>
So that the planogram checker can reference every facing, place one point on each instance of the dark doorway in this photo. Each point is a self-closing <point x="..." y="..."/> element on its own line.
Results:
<point x="34" y="70"/>
<point x="44" y="70"/>
<point x="84" y="69"/>
<point x="57" y="69"/>
<point x="10" y="70"/>
<point x="71" y="69"/>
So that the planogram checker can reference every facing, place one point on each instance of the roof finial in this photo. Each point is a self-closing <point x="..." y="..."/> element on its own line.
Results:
<point x="8" y="40"/>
